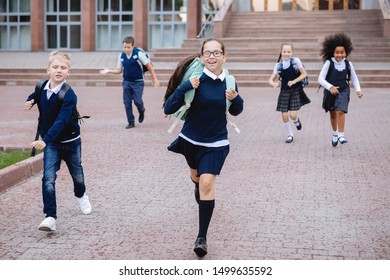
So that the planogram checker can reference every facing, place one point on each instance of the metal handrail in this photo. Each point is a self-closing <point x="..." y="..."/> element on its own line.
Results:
<point x="206" y="25"/>
<point x="388" y="7"/>
<point x="219" y="15"/>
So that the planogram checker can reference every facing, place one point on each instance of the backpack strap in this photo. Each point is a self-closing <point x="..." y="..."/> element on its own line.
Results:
<point x="144" y="68"/>
<point x="348" y="66"/>
<point x="37" y="100"/>
<point x="195" y="69"/>
<point x="294" y="64"/>
<point x="38" y="91"/>
<point x="230" y="85"/>
<point x="61" y="95"/>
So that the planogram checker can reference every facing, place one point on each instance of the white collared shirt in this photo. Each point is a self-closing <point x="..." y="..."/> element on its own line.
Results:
<point x="213" y="76"/>
<point x="50" y="91"/>
<point x="340" y="66"/>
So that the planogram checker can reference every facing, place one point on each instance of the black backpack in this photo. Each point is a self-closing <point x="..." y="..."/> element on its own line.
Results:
<point x="61" y="95"/>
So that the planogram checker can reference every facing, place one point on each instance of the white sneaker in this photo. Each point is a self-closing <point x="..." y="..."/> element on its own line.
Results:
<point x="85" y="206"/>
<point x="48" y="224"/>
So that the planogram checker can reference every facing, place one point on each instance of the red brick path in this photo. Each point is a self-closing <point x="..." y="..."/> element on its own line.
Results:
<point x="304" y="200"/>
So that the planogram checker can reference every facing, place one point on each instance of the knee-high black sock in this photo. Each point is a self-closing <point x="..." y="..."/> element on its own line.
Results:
<point x="206" y="208"/>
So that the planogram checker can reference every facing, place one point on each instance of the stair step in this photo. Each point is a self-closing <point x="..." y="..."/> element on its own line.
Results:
<point x="252" y="51"/>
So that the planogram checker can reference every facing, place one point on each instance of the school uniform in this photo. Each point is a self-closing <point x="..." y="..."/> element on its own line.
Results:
<point x="61" y="134"/>
<point x="203" y="139"/>
<point x="290" y="98"/>
<point x="337" y="78"/>
<point x="133" y="81"/>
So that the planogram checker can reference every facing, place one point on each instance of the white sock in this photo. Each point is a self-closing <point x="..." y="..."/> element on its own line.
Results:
<point x="287" y="125"/>
<point x="296" y="122"/>
<point x="341" y="134"/>
<point x="335" y="136"/>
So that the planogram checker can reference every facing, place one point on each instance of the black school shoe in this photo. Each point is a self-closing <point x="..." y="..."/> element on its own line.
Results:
<point x="200" y="247"/>
<point x="289" y="139"/>
<point x="343" y="140"/>
<point x="334" y="143"/>
<point x="141" y="117"/>
<point x="130" y="125"/>
<point x="298" y="124"/>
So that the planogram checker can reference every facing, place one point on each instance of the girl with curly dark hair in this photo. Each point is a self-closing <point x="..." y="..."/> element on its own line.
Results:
<point x="335" y="75"/>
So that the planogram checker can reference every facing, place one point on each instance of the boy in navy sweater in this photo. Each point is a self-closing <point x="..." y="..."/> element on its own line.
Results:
<point x="203" y="139"/>
<point x="60" y="138"/>
<point x="131" y="62"/>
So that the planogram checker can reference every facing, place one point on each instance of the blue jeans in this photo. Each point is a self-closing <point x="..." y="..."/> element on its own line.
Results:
<point x="53" y="154"/>
<point x="133" y="91"/>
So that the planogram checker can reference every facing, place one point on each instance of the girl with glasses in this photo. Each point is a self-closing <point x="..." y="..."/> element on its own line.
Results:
<point x="203" y="140"/>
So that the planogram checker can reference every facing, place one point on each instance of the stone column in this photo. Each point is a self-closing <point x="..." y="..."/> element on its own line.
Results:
<point x="88" y="22"/>
<point x="194" y="18"/>
<point x="37" y="27"/>
<point x="141" y="23"/>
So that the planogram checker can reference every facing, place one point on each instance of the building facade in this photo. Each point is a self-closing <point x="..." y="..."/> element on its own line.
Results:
<point x="100" y="25"/>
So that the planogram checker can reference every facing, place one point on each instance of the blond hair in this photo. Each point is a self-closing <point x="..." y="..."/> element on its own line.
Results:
<point x="59" y="55"/>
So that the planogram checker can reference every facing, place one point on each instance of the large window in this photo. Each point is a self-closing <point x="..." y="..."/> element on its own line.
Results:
<point x="167" y="23"/>
<point x="114" y="21"/>
<point x="63" y="24"/>
<point x="15" y="31"/>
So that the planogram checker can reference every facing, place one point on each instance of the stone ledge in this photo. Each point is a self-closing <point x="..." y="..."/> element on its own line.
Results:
<point x="20" y="171"/>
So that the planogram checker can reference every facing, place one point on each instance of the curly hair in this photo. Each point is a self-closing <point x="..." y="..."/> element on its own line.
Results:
<point x="333" y="41"/>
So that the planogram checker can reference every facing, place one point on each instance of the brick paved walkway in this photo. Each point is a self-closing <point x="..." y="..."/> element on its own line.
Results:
<point x="305" y="200"/>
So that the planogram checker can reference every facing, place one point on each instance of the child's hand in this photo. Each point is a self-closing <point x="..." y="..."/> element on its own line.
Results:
<point x="231" y="94"/>
<point x="28" y="105"/>
<point x="155" y="83"/>
<point x="359" y="94"/>
<point x="275" y="84"/>
<point x="195" y="82"/>
<point x="104" y="71"/>
<point x="291" y="83"/>
<point x="39" y="144"/>
<point x="334" y="90"/>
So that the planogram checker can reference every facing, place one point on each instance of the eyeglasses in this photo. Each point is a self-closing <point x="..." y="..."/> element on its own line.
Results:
<point x="214" y="53"/>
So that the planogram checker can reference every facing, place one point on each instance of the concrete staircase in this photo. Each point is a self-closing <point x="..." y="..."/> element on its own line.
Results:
<point x="252" y="44"/>
<point x="253" y="41"/>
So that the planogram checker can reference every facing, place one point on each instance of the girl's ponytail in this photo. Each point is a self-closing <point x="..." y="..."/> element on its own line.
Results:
<point x="177" y="76"/>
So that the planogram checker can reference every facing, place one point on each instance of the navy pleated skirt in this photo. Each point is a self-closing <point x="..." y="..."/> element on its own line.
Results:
<point x="203" y="159"/>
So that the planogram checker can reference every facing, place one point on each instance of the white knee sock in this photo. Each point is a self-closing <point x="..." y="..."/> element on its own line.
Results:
<point x="335" y="136"/>
<point x="287" y="125"/>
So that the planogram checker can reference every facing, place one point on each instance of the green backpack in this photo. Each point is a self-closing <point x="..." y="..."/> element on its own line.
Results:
<point x="195" y="69"/>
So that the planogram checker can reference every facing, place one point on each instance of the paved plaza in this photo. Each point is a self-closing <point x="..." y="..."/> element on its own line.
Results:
<point x="305" y="200"/>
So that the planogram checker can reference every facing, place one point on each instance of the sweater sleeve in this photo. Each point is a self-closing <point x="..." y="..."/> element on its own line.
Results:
<point x="176" y="100"/>
<point x="237" y="106"/>
<point x="31" y="97"/>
